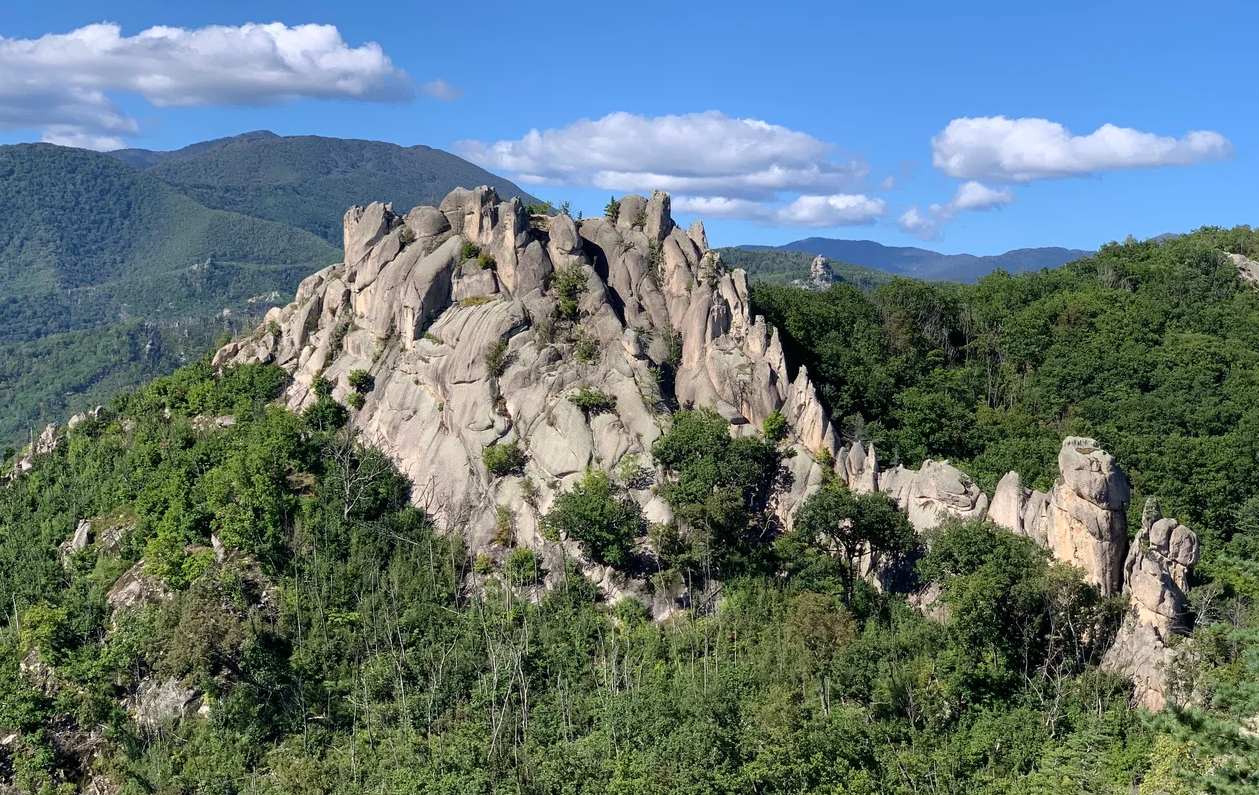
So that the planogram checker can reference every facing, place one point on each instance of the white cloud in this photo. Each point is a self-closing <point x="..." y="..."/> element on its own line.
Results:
<point x="975" y="196"/>
<point x="970" y="197"/>
<point x="804" y="211"/>
<point x="60" y="83"/>
<point x="915" y="223"/>
<point x="695" y="154"/>
<point x="440" y="89"/>
<point x="888" y="183"/>
<point x="1020" y="150"/>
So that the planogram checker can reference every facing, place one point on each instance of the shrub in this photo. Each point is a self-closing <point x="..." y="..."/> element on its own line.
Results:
<point x="338" y="334"/>
<point x="566" y="208"/>
<point x="569" y="284"/>
<point x="591" y="401"/>
<point x="361" y="381"/>
<point x="407" y="236"/>
<point x="475" y="300"/>
<point x="612" y="209"/>
<point x="543" y="333"/>
<point x="356" y="400"/>
<point x="503" y="459"/>
<point x="326" y="414"/>
<point x="496" y="357"/>
<point x="468" y="251"/>
<point x="504" y="532"/>
<point x="321" y="386"/>
<point x="593" y="513"/>
<point x="586" y="348"/>
<point x="484" y="564"/>
<point x="640" y="220"/>
<point x="523" y="567"/>
<point x="775" y="426"/>
<point x="486" y="262"/>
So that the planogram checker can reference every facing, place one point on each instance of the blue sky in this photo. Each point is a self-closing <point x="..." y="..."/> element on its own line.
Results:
<point x="964" y="126"/>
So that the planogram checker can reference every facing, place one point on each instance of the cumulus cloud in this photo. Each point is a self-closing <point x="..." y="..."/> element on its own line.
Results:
<point x="695" y="154"/>
<point x="61" y="83"/>
<point x="804" y="211"/>
<point x="1020" y="150"/>
<point x="970" y="197"/>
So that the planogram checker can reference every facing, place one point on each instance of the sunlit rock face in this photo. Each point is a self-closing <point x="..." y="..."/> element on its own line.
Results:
<point x="660" y="323"/>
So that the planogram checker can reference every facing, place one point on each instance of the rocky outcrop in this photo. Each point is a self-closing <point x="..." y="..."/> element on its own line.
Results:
<point x="160" y="702"/>
<point x="1247" y="268"/>
<point x="1082" y="520"/>
<point x="644" y="312"/>
<point x="820" y="276"/>
<point x="1155" y="579"/>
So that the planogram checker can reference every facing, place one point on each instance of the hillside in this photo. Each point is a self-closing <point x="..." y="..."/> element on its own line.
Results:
<point x="412" y="533"/>
<point x="776" y="266"/>
<point x="147" y="158"/>
<point x="86" y="242"/>
<point x="922" y="263"/>
<point x="308" y="181"/>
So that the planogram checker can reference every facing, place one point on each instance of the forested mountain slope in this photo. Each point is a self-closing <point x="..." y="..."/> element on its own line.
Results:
<point x="259" y="602"/>
<point x="308" y="181"/>
<point x="147" y="158"/>
<point x="776" y="266"/>
<point x="87" y="243"/>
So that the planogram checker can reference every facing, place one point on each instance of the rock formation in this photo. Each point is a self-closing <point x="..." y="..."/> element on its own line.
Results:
<point x="1082" y="520"/>
<point x="1155" y="579"/>
<point x="646" y="314"/>
<point x="820" y="276"/>
<point x="618" y="305"/>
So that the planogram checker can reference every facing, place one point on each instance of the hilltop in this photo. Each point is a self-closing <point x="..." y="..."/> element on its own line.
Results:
<point x="307" y="181"/>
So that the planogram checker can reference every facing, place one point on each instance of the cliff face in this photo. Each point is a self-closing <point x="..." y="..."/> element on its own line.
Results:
<point x="635" y="307"/>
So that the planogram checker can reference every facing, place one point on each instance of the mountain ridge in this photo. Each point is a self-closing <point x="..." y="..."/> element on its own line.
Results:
<point x="924" y="263"/>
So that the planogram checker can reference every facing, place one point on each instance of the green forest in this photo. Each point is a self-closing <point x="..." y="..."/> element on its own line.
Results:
<point x="338" y="643"/>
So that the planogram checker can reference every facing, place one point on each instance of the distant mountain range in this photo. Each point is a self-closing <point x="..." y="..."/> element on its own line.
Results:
<point x="922" y="263"/>
<point x="121" y="266"/>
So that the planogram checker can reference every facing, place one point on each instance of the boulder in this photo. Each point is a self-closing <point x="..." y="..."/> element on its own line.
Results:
<point x="160" y="702"/>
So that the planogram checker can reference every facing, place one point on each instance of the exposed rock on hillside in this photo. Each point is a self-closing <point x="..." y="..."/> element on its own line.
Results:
<point x="1082" y="519"/>
<point x="634" y="307"/>
<point x="1155" y="578"/>
<point x="478" y="322"/>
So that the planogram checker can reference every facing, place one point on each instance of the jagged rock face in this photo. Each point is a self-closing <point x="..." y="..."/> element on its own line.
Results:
<point x="1247" y="268"/>
<point x="820" y="273"/>
<point x="1087" y="513"/>
<point x="407" y="307"/>
<point x="934" y="492"/>
<point x="160" y="702"/>
<point x="1082" y="520"/>
<point x="1156" y="571"/>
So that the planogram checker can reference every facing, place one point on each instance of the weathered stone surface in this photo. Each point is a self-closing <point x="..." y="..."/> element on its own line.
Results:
<point x="1247" y="268"/>
<point x="1087" y="524"/>
<point x="1156" y="571"/>
<point x="1009" y="502"/>
<point x="936" y="491"/>
<point x="420" y="321"/>
<point x="1141" y="655"/>
<point x="157" y="703"/>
